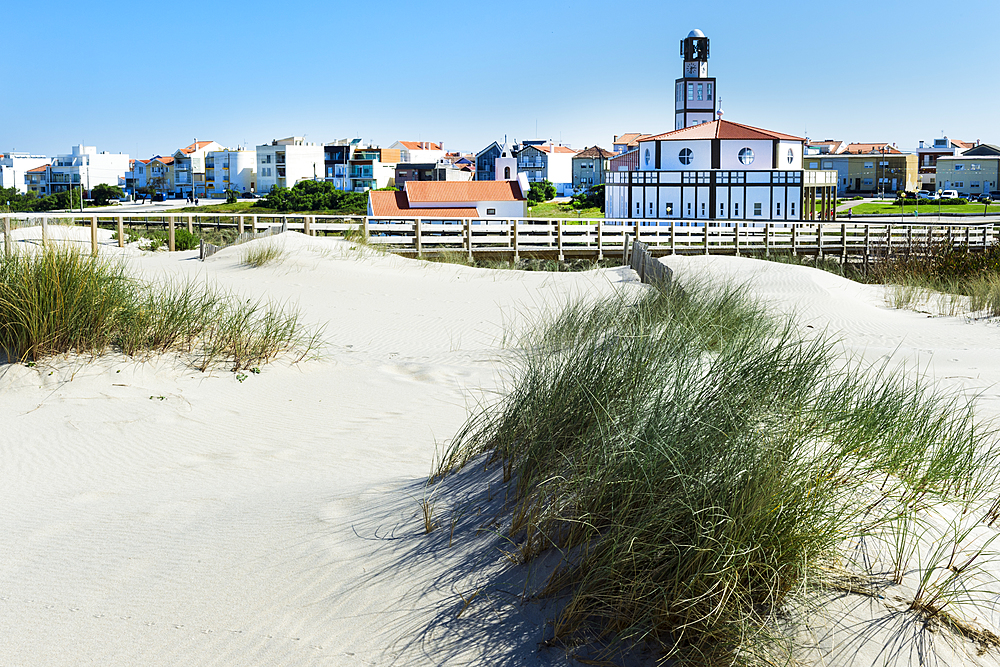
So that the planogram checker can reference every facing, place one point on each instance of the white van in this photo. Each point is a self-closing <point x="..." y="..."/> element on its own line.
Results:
<point x="949" y="194"/>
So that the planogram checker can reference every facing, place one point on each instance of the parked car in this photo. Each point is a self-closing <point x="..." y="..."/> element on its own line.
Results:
<point x="949" y="194"/>
<point x="995" y="195"/>
<point x="249" y="195"/>
<point x="923" y="194"/>
<point x="159" y="196"/>
<point x="983" y="198"/>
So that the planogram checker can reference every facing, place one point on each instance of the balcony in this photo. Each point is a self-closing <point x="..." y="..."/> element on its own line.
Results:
<point x="530" y="164"/>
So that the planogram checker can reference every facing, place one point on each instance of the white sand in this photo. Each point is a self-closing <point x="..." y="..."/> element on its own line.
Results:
<point x="154" y="515"/>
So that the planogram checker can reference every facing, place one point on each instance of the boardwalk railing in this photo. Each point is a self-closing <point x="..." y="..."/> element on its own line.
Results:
<point x="563" y="238"/>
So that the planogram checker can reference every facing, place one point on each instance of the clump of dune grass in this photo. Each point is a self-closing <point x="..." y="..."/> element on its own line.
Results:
<point x="61" y="300"/>
<point x="697" y="463"/>
<point x="260" y="254"/>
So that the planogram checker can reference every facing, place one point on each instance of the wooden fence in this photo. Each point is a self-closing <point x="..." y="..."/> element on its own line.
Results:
<point x="650" y="271"/>
<point x="574" y="238"/>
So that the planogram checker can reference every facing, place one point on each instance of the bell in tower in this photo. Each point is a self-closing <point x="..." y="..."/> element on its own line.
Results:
<point x="695" y="91"/>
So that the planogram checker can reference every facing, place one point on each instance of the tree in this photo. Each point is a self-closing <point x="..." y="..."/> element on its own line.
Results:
<point x="593" y="197"/>
<point x="102" y="194"/>
<point x="541" y="191"/>
<point x="232" y="196"/>
<point x="315" y="196"/>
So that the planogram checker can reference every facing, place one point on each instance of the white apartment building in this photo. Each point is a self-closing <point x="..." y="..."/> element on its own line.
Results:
<point x="86" y="167"/>
<point x="548" y="162"/>
<point x="189" y="168"/>
<point x="419" y="151"/>
<point x="13" y="167"/>
<point x="230" y="169"/>
<point x="285" y="162"/>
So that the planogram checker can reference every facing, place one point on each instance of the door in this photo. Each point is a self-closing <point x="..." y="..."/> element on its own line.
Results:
<point x="857" y="184"/>
<point x="894" y="185"/>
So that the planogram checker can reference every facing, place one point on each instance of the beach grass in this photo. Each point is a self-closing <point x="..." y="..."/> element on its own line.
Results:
<point x="697" y="464"/>
<point x="262" y="254"/>
<point x="61" y="300"/>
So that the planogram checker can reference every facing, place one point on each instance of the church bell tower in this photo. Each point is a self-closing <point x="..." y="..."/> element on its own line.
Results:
<point x="695" y="93"/>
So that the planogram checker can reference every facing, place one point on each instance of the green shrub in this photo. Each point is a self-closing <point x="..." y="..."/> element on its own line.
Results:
<point x="185" y="240"/>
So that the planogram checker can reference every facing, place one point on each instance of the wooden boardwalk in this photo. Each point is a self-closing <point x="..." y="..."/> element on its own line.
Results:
<point x="572" y="238"/>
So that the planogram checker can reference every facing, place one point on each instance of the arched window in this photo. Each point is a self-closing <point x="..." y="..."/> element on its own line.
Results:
<point x="686" y="156"/>
<point x="746" y="156"/>
<point x="506" y="173"/>
<point x="646" y="156"/>
<point x="791" y="156"/>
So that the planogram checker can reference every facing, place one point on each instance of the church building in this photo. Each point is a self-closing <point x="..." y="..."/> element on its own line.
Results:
<point x="711" y="169"/>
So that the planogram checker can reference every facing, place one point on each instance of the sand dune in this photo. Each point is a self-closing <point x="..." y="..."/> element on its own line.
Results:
<point x="156" y="515"/>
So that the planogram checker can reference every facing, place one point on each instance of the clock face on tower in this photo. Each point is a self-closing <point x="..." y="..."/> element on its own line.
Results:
<point x="691" y="69"/>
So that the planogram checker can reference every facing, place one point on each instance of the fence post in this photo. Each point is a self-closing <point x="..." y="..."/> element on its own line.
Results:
<point x="559" y="242"/>
<point x="120" y="223"/>
<point x="909" y="240"/>
<point x="416" y="237"/>
<point x="706" y="237"/>
<point x="190" y="224"/>
<point x="253" y="221"/>
<point x="468" y="237"/>
<point x="795" y="227"/>
<point x="819" y="239"/>
<point x="843" y="241"/>
<point x="868" y="229"/>
<point x="600" y="246"/>
<point x="239" y="224"/>
<point x="305" y="225"/>
<point x="625" y="251"/>
<point x="968" y="232"/>
<point x="93" y="234"/>
<point x="171" y="245"/>
<point x="736" y="237"/>
<point x="45" y="231"/>
<point x="6" y="236"/>
<point x="673" y="237"/>
<point x="516" y="249"/>
<point x="767" y="239"/>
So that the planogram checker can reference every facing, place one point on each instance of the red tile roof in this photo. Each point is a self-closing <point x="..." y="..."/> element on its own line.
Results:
<point x="463" y="191"/>
<point x="42" y="168"/>
<point x="545" y="148"/>
<point x="388" y="204"/>
<point x="870" y="148"/>
<point x="164" y="160"/>
<point x="418" y="145"/>
<point x="191" y="148"/>
<point x="723" y="129"/>
<point x="628" y="138"/>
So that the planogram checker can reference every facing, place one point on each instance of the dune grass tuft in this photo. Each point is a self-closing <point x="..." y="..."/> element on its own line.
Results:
<point x="697" y="463"/>
<point x="61" y="300"/>
<point x="261" y="254"/>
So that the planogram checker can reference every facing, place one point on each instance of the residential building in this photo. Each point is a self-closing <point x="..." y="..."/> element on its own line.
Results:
<point x="14" y="166"/>
<point x="547" y="162"/>
<point x="160" y="174"/>
<point x="695" y="93"/>
<point x="825" y="147"/>
<point x="448" y="200"/>
<point x="336" y="162"/>
<point x="486" y="162"/>
<point x="430" y="171"/>
<point x="419" y="151"/>
<point x="189" y="168"/>
<point x="284" y="162"/>
<point x="85" y="167"/>
<point x="372" y="168"/>
<point x="881" y="173"/>
<point x="974" y="172"/>
<point x="623" y="143"/>
<point x="230" y="169"/>
<point x="37" y="180"/>
<point x="927" y="157"/>
<point x="720" y="171"/>
<point x="589" y="167"/>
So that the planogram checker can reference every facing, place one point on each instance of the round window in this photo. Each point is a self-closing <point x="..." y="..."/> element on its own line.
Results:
<point x="746" y="156"/>
<point x="686" y="156"/>
<point x="647" y="157"/>
<point x="791" y="156"/>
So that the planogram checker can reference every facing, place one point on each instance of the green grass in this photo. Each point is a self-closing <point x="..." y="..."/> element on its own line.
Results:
<point x="924" y="209"/>
<point x="61" y="300"/>
<point x="696" y="466"/>
<point x="261" y="254"/>
<point x="559" y="210"/>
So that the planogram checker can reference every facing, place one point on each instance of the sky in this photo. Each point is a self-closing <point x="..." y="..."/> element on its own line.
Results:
<point x="148" y="78"/>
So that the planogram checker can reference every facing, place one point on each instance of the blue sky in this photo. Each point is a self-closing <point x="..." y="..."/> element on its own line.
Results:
<point x="147" y="78"/>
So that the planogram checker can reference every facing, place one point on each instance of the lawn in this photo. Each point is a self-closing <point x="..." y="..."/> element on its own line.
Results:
<point x="561" y="210"/>
<point x="925" y="209"/>
<point x="248" y="208"/>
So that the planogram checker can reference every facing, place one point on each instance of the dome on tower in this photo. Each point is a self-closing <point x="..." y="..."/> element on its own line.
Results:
<point x="696" y="33"/>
